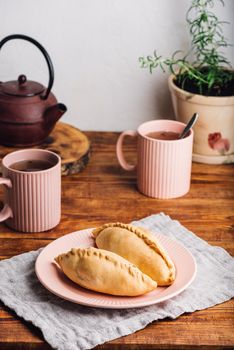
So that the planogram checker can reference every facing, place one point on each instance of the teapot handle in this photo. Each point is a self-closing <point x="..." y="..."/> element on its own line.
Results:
<point x="44" y="52"/>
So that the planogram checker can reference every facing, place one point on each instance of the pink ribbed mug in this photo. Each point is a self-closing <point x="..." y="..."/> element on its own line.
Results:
<point x="32" y="199"/>
<point x="163" y="166"/>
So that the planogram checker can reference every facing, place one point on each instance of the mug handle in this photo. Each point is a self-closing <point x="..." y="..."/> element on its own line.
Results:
<point x="119" y="150"/>
<point x="6" y="212"/>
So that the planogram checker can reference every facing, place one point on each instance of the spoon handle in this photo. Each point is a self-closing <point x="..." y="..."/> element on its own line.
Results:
<point x="189" y="126"/>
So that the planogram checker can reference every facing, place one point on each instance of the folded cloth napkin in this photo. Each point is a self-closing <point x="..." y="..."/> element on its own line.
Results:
<point x="68" y="326"/>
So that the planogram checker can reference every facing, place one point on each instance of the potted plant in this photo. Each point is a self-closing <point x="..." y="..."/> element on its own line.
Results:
<point x="202" y="81"/>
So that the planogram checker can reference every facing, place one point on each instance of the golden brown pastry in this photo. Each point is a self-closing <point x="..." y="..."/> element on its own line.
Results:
<point x="105" y="272"/>
<point x="139" y="247"/>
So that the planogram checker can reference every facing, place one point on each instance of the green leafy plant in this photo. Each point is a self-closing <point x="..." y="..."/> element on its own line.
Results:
<point x="209" y="72"/>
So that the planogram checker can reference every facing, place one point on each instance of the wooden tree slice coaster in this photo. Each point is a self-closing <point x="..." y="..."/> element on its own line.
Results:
<point x="71" y="144"/>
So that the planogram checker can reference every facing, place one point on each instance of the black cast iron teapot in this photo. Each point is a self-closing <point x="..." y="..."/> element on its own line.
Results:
<point x="28" y="110"/>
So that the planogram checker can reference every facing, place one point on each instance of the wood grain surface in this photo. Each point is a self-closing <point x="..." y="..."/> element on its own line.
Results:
<point x="70" y="143"/>
<point x="103" y="192"/>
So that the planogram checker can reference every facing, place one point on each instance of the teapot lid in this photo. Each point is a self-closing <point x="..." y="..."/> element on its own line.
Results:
<point x="22" y="87"/>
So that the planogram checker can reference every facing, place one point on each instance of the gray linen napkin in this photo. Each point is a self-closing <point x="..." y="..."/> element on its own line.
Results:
<point x="68" y="326"/>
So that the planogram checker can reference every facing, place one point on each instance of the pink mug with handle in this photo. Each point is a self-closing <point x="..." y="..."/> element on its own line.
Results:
<point x="163" y="166"/>
<point x="32" y="197"/>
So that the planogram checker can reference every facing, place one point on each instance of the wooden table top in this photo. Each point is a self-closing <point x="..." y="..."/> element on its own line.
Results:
<point x="102" y="193"/>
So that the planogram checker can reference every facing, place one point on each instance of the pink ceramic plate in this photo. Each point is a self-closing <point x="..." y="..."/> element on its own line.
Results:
<point x="56" y="282"/>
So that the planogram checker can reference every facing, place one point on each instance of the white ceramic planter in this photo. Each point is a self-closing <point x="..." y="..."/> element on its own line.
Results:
<point x="214" y="130"/>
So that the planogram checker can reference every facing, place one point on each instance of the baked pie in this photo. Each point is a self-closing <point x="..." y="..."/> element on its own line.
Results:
<point x="105" y="272"/>
<point x="139" y="247"/>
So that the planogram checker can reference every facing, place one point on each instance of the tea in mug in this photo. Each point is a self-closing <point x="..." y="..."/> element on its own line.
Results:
<point x="163" y="135"/>
<point x="31" y="165"/>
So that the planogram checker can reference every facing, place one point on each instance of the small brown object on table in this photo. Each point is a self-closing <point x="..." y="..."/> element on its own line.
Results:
<point x="102" y="193"/>
<point x="71" y="144"/>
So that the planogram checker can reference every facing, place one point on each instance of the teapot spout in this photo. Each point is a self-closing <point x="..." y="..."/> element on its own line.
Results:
<point x="54" y="113"/>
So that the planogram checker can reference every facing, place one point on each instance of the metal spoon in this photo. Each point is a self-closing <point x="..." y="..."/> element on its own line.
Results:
<point x="191" y="122"/>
